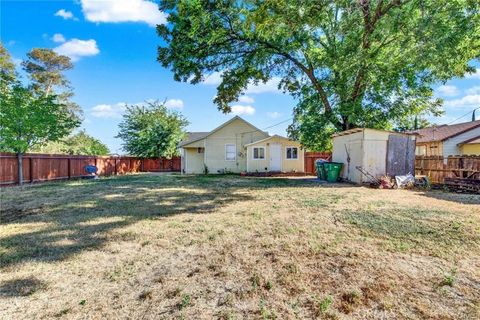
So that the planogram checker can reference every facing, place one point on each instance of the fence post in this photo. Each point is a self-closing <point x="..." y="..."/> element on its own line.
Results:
<point x="69" y="168"/>
<point x="115" y="161"/>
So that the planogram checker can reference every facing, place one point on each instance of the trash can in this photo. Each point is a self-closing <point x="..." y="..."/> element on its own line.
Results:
<point x="320" y="169"/>
<point x="332" y="170"/>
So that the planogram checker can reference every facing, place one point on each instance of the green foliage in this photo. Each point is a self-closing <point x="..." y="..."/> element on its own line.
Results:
<point x="46" y="71"/>
<point x="348" y="63"/>
<point x="7" y="67"/>
<point x="151" y="131"/>
<point x="28" y="119"/>
<point x="78" y="144"/>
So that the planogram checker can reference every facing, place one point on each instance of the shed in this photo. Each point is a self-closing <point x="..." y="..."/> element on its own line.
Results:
<point x="377" y="152"/>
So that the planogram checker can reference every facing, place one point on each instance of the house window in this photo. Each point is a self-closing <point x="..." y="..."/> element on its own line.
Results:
<point x="200" y="150"/>
<point x="258" y="153"/>
<point x="421" y="150"/>
<point x="292" y="153"/>
<point x="230" y="152"/>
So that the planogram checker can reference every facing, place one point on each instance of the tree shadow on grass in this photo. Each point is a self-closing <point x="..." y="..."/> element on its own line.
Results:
<point x="21" y="287"/>
<point x="72" y="217"/>
<point x="463" y="198"/>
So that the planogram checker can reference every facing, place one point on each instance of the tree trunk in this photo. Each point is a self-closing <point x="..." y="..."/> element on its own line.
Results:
<point x="20" y="168"/>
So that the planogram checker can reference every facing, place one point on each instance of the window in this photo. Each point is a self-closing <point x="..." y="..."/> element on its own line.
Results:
<point x="421" y="150"/>
<point x="258" y="153"/>
<point x="230" y="152"/>
<point x="292" y="153"/>
<point x="200" y="150"/>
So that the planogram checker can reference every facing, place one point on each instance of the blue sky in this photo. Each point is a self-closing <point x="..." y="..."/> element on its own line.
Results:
<point x="113" y="45"/>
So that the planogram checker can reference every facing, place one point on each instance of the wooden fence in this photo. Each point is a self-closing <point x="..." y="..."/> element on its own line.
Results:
<point x="45" y="167"/>
<point x="311" y="157"/>
<point x="437" y="168"/>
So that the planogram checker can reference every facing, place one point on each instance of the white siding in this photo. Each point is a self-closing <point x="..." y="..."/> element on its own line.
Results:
<point x="450" y="145"/>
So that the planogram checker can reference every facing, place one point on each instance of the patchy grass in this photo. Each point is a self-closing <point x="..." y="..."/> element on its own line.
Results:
<point x="228" y="247"/>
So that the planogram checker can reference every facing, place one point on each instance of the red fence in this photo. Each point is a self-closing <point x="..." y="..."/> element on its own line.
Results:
<point x="311" y="157"/>
<point x="44" y="167"/>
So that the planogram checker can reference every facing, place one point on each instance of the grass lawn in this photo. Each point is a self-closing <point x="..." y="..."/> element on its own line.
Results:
<point x="171" y="246"/>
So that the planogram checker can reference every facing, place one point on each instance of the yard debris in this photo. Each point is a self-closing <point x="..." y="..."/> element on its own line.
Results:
<point x="386" y="182"/>
<point x="406" y="181"/>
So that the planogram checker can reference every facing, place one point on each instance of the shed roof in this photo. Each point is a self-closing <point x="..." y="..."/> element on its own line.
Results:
<point x="355" y="130"/>
<point x="444" y="132"/>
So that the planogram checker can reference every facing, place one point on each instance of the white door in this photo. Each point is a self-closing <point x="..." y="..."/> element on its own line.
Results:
<point x="275" y="157"/>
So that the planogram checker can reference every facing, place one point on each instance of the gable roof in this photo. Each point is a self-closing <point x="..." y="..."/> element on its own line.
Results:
<point x="200" y="137"/>
<point x="266" y="139"/>
<point x="193" y="136"/>
<point x="444" y="132"/>
<point x="473" y="140"/>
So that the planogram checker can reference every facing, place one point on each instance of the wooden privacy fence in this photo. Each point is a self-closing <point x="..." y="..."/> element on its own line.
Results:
<point x="45" y="167"/>
<point x="437" y="168"/>
<point x="311" y="157"/>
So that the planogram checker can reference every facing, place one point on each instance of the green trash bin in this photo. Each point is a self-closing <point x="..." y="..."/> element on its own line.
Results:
<point x="332" y="170"/>
<point x="320" y="169"/>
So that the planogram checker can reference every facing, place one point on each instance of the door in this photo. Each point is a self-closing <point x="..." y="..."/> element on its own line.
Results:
<point x="400" y="155"/>
<point x="275" y="157"/>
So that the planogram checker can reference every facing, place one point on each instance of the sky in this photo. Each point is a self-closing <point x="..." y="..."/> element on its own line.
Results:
<point x="113" y="44"/>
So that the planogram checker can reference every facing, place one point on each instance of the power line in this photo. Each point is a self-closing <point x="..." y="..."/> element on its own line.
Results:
<point x="466" y="114"/>
<point x="278" y="124"/>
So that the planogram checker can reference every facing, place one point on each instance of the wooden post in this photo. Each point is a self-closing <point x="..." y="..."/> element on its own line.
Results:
<point x="115" y="161"/>
<point x="31" y="169"/>
<point x="69" y="168"/>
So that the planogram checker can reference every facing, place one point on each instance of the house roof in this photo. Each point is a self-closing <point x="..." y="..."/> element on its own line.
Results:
<point x="206" y="134"/>
<point x="266" y="139"/>
<point x="193" y="136"/>
<point x="444" y="132"/>
<point x="473" y="140"/>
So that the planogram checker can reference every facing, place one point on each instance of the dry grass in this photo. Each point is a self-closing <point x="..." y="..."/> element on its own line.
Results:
<point x="163" y="247"/>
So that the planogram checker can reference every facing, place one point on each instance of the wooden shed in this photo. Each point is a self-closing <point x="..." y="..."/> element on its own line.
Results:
<point x="377" y="152"/>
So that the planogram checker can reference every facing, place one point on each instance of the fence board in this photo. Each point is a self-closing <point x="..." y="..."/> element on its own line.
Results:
<point x="44" y="167"/>
<point x="311" y="157"/>
<point x="438" y="168"/>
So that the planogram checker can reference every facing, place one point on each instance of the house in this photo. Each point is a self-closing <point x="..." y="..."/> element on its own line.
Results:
<point x="446" y="140"/>
<point x="376" y="152"/>
<point x="238" y="146"/>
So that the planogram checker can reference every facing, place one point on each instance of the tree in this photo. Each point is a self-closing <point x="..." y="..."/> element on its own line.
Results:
<point x="349" y="64"/>
<point x="28" y="119"/>
<point x="80" y="143"/>
<point x="46" y="71"/>
<point x="151" y="130"/>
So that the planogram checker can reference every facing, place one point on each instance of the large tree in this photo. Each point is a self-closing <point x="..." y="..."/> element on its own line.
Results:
<point x="151" y="130"/>
<point x="28" y="116"/>
<point x="46" y="70"/>
<point x="79" y="143"/>
<point x="348" y="63"/>
<point x="28" y="119"/>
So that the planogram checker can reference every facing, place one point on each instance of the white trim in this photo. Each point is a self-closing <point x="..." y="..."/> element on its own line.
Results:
<point x="230" y="144"/>
<point x="286" y="158"/>
<point x="264" y="153"/>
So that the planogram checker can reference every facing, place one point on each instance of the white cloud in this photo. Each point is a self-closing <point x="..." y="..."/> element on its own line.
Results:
<point x="76" y="48"/>
<point x="246" y="99"/>
<point x="473" y="90"/>
<point x="448" y="91"/>
<point x="274" y="115"/>
<point x="108" y="110"/>
<point x="58" y="37"/>
<point x="243" y="110"/>
<point x="123" y="11"/>
<point x="174" y="104"/>
<point x="65" y="14"/>
<point x="475" y="75"/>
<point x="213" y="79"/>
<point x="468" y="101"/>
<point x="271" y="85"/>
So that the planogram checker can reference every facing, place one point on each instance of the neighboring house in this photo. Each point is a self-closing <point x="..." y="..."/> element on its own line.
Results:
<point x="446" y="140"/>
<point x="238" y="146"/>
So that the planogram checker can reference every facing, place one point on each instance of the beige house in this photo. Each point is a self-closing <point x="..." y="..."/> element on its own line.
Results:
<point x="238" y="146"/>
<point x="446" y="140"/>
